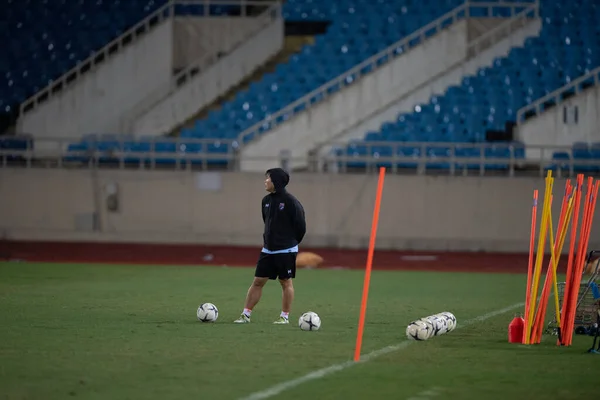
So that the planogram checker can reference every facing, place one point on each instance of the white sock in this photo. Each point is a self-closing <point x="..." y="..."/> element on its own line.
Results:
<point x="285" y="315"/>
<point x="247" y="312"/>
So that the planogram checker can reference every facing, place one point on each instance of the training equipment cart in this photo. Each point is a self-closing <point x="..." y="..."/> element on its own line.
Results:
<point x="586" y="312"/>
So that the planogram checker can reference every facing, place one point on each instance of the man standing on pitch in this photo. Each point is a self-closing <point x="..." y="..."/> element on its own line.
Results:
<point x="285" y="227"/>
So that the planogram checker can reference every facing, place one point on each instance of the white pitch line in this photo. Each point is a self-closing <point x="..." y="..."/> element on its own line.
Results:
<point x="320" y="373"/>
<point x="427" y="394"/>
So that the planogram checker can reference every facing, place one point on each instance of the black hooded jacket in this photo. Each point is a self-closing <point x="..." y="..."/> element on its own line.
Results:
<point x="283" y="215"/>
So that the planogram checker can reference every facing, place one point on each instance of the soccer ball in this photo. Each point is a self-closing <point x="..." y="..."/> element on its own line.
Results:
<point x="439" y="325"/>
<point x="207" y="312"/>
<point x="450" y="320"/>
<point x="431" y="325"/>
<point x="418" y="330"/>
<point x="309" y="321"/>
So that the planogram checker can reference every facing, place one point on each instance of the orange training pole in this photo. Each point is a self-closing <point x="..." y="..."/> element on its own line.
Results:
<point x="574" y="290"/>
<point x="530" y="266"/>
<point x="565" y="306"/>
<point x="581" y="253"/>
<point x="593" y="195"/>
<point x="573" y="293"/>
<point x="365" y="295"/>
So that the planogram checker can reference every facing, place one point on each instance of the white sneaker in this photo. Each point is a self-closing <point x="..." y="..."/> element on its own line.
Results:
<point x="243" y="319"/>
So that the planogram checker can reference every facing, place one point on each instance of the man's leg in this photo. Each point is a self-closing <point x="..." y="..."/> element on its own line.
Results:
<point x="264" y="272"/>
<point x="287" y="296"/>
<point x="252" y="298"/>
<point x="287" y="272"/>
<point x="254" y="293"/>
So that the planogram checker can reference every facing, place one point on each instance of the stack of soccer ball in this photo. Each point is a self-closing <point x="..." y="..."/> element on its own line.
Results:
<point x="433" y="325"/>
<point x="309" y="321"/>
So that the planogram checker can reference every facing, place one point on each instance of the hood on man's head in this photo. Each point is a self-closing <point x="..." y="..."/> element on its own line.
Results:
<point x="279" y="177"/>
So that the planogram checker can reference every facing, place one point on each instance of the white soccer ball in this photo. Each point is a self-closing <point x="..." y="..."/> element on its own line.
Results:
<point x="431" y="324"/>
<point x="207" y="312"/>
<point x="418" y="330"/>
<point x="450" y="320"/>
<point x="439" y="325"/>
<point x="309" y="321"/>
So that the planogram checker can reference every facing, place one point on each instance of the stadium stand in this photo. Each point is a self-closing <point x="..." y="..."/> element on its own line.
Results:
<point x="555" y="119"/>
<point x="484" y="104"/>
<point x="567" y="47"/>
<point x="381" y="24"/>
<point x="49" y="38"/>
<point x="358" y="30"/>
<point x="408" y="72"/>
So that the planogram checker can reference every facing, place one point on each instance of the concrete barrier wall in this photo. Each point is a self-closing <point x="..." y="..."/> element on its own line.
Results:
<point x="424" y="213"/>
<point x="574" y="120"/>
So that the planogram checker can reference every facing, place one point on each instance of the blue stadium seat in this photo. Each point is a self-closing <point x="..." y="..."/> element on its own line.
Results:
<point x="584" y="153"/>
<point x="560" y="161"/>
<point x="19" y="143"/>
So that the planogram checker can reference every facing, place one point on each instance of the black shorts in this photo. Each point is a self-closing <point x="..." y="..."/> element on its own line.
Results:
<point x="273" y="266"/>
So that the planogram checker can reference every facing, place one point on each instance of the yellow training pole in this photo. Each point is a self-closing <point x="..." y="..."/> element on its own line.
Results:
<point x="554" y="266"/>
<point x="540" y="255"/>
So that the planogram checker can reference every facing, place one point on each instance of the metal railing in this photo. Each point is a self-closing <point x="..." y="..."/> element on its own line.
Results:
<point x="557" y="96"/>
<point x="61" y="152"/>
<point x="200" y="65"/>
<point x="455" y="158"/>
<point x="164" y="13"/>
<point x="509" y="159"/>
<point x="378" y="60"/>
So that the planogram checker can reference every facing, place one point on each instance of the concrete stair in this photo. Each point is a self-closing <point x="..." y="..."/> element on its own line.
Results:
<point x="292" y="45"/>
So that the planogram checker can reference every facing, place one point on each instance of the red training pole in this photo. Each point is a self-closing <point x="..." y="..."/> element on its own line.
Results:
<point x="365" y="294"/>
<point x="565" y="306"/>
<point x="593" y="195"/>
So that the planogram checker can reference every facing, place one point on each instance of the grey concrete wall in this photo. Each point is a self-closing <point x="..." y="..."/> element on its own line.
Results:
<point x="434" y="213"/>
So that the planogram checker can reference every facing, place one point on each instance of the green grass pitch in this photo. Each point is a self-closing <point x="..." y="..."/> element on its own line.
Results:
<point x="130" y="332"/>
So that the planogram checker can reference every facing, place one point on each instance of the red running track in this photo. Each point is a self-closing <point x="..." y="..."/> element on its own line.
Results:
<point x="168" y="254"/>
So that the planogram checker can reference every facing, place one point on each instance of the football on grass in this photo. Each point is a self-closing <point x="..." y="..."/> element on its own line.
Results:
<point x="450" y="320"/>
<point x="309" y="321"/>
<point x="207" y="312"/>
<point x="418" y="330"/>
<point x="306" y="259"/>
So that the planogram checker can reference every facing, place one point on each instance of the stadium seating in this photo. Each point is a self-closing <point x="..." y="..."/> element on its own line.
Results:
<point x="46" y="38"/>
<point x="568" y="47"/>
<point x="358" y="30"/>
<point x="581" y="153"/>
<point x="50" y="37"/>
